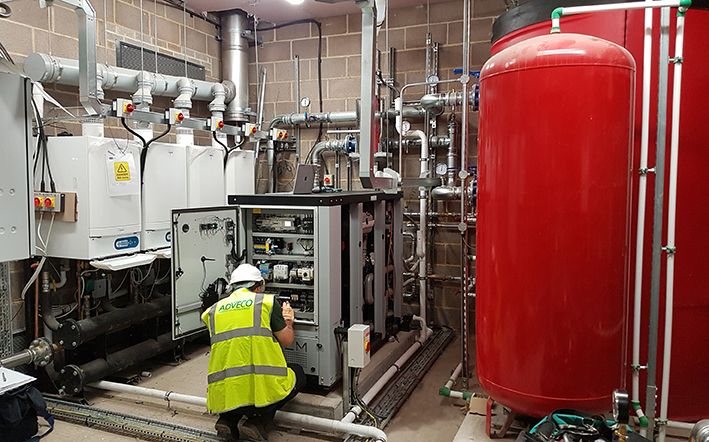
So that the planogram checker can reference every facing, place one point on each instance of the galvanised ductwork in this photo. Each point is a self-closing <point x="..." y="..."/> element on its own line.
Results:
<point x="235" y="63"/>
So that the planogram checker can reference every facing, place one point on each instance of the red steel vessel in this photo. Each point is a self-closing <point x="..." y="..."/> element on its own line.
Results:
<point x="554" y="155"/>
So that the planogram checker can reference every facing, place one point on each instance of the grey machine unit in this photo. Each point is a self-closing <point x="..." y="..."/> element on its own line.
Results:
<point x="303" y="245"/>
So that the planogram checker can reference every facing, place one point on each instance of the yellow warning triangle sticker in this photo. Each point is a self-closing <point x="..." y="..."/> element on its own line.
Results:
<point x="122" y="168"/>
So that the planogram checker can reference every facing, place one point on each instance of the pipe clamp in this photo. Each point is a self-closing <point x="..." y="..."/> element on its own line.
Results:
<point x="677" y="60"/>
<point x="670" y="250"/>
<point x="638" y="367"/>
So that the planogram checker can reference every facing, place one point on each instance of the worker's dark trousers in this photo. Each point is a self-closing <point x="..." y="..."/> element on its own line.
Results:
<point x="269" y="411"/>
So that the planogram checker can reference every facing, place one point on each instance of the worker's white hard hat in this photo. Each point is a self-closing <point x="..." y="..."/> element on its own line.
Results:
<point x="245" y="273"/>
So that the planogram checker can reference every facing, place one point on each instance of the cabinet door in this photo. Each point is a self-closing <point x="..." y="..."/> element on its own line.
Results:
<point x="205" y="246"/>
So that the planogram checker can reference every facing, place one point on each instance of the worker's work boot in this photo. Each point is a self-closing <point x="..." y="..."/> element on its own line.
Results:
<point x="227" y="429"/>
<point x="254" y="428"/>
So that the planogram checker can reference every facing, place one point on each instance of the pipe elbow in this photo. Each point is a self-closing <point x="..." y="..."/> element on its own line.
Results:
<point x="187" y="90"/>
<point x="433" y="103"/>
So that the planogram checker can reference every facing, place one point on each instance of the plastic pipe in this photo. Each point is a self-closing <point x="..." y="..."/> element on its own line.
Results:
<point x="310" y="422"/>
<point x="671" y="220"/>
<point x="386" y="377"/>
<point x="423" y="228"/>
<point x="642" y="196"/>
<point x="559" y="12"/>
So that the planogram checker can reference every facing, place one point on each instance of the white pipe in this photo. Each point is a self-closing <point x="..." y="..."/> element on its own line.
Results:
<point x="454" y="376"/>
<point x="642" y="196"/>
<point x="671" y="219"/>
<point x="423" y="223"/>
<point x="559" y="12"/>
<point x="386" y="377"/>
<point x="310" y="422"/>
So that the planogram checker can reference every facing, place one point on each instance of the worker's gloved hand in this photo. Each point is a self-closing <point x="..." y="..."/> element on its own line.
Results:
<point x="288" y="314"/>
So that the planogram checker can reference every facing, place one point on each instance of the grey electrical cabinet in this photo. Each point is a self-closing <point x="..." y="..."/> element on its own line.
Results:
<point x="310" y="250"/>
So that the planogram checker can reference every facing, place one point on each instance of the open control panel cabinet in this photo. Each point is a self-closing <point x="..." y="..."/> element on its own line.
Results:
<point x="313" y="251"/>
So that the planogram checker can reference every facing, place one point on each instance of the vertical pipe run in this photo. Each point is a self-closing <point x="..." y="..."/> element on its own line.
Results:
<point x="296" y="72"/>
<point x="661" y="140"/>
<point x="235" y="63"/>
<point x="671" y="221"/>
<point x="642" y="195"/>
<point x="464" y="198"/>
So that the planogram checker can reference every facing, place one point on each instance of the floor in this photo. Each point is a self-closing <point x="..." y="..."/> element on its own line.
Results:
<point x="426" y="416"/>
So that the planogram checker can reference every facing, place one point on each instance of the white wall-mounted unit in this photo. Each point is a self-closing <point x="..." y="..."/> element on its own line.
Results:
<point x="164" y="189"/>
<point x="16" y="213"/>
<point x="205" y="176"/>
<point x="240" y="173"/>
<point x="104" y="177"/>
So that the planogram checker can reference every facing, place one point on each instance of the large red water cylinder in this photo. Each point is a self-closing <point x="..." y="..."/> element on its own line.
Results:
<point x="554" y="156"/>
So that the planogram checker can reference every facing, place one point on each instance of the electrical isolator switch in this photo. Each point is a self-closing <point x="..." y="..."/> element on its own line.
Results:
<point x="48" y="202"/>
<point x="358" y="346"/>
<point x="328" y="181"/>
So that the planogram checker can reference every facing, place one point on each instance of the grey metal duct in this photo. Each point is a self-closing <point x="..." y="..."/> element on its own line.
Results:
<point x="235" y="63"/>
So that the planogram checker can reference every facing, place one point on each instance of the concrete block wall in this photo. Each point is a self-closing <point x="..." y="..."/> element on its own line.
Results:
<point x="32" y="29"/>
<point x="341" y="49"/>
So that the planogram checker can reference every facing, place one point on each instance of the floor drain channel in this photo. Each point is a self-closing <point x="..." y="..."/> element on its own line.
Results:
<point x="395" y="396"/>
<point x="125" y="424"/>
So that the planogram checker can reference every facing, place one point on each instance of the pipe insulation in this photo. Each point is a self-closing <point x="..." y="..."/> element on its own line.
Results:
<point x="45" y="68"/>
<point x="291" y="419"/>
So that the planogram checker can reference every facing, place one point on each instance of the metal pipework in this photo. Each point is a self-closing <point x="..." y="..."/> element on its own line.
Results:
<point x="322" y="117"/>
<point x="453" y="155"/>
<point x="700" y="432"/>
<point x="435" y="103"/>
<point x="333" y="145"/>
<point x="45" y="68"/>
<point x="40" y="352"/>
<point x="235" y="63"/>
<point x="446" y="193"/>
<point x="71" y="333"/>
<point x="87" y="53"/>
<point x="368" y="102"/>
<point x="45" y="302"/>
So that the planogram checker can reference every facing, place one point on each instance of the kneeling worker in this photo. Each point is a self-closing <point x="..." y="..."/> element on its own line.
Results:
<point x="248" y="375"/>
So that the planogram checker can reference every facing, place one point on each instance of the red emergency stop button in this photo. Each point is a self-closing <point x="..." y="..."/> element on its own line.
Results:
<point x="49" y="202"/>
<point x="128" y="107"/>
<point x="366" y="347"/>
<point x="37" y="201"/>
<point x="179" y="116"/>
<point x="220" y="124"/>
<point x="253" y="129"/>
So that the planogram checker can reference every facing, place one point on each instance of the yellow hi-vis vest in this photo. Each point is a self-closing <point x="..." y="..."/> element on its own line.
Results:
<point x="246" y="365"/>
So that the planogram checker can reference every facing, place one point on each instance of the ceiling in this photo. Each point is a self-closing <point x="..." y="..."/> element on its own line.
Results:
<point x="280" y="11"/>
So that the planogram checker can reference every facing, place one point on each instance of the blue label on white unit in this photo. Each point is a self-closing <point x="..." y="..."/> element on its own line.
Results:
<point x="168" y="236"/>
<point x="129" y="242"/>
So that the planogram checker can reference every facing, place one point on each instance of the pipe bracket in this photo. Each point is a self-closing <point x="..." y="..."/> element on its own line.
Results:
<point x="645" y="170"/>
<point x="638" y="367"/>
<point x="659" y="422"/>
<point x="670" y="250"/>
<point x="677" y="60"/>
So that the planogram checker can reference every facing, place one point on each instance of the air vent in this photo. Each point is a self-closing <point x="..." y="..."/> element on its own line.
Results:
<point x="128" y="56"/>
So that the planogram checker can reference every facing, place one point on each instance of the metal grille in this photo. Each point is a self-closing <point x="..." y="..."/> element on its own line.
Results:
<point x="5" y="311"/>
<point x="128" y="56"/>
<point x="296" y="357"/>
<point x="120" y="423"/>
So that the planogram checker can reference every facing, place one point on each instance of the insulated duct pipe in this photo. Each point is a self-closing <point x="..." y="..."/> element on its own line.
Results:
<point x="73" y="378"/>
<point x="45" y="68"/>
<point x="72" y="333"/>
<point x="235" y="63"/>
<point x="368" y="102"/>
<point x="292" y="419"/>
<point x="45" y="301"/>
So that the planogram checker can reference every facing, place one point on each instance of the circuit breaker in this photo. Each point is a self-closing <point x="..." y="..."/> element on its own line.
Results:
<point x="358" y="346"/>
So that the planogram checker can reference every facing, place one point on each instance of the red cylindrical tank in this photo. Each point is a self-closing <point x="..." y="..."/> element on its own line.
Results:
<point x="554" y="155"/>
<point x="689" y="379"/>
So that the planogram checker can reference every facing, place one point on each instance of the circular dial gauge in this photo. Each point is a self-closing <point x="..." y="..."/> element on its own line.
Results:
<point x="305" y="102"/>
<point x="441" y="169"/>
<point x="405" y="126"/>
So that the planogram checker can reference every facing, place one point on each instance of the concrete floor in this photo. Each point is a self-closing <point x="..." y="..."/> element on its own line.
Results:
<point x="425" y="416"/>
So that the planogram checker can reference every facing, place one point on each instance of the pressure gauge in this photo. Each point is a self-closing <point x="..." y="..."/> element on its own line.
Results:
<point x="441" y="169"/>
<point x="305" y="102"/>
<point x="405" y="126"/>
<point x="621" y="406"/>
